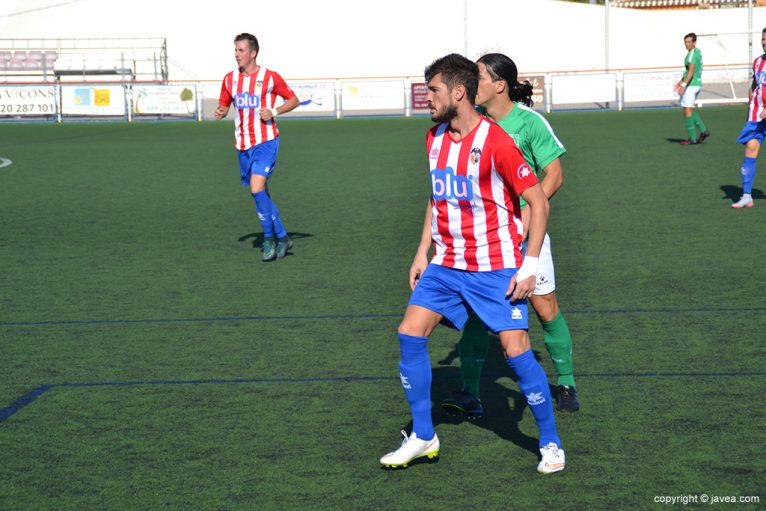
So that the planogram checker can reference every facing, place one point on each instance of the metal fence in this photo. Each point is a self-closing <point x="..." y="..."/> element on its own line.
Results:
<point x="401" y="96"/>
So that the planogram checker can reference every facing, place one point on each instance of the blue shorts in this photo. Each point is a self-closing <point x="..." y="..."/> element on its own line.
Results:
<point x="454" y="293"/>
<point x="752" y="130"/>
<point x="259" y="159"/>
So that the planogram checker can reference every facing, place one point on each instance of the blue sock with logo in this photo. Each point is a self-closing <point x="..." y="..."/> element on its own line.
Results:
<point x="263" y="207"/>
<point x="276" y="220"/>
<point x="748" y="174"/>
<point x="415" y="372"/>
<point x="532" y="381"/>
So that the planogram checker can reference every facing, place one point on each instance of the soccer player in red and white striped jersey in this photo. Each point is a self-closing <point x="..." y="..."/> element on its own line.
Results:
<point x="474" y="221"/>
<point x="253" y="90"/>
<point x="753" y="132"/>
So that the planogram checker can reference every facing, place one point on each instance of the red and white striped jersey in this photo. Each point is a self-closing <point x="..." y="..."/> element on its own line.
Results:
<point x="758" y="93"/>
<point x="475" y="184"/>
<point x="250" y="93"/>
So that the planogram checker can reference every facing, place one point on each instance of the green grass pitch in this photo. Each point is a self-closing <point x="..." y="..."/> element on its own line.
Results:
<point x="172" y="369"/>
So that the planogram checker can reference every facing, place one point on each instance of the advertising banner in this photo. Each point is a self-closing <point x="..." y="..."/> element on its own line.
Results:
<point x="164" y="99"/>
<point x="27" y="100"/>
<point x="315" y="96"/>
<point x="573" y="89"/>
<point x="93" y="100"/>
<point x="373" y="95"/>
<point x="419" y="96"/>
<point x="655" y="86"/>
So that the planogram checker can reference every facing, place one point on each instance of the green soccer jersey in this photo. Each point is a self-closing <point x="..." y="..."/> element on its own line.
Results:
<point x="534" y="136"/>
<point x="694" y="56"/>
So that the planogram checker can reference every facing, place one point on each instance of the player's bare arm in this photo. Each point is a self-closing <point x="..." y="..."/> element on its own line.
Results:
<point x="523" y="282"/>
<point x="553" y="178"/>
<point x="680" y="86"/>
<point x="221" y="112"/>
<point x="269" y="113"/>
<point x="420" y="261"/>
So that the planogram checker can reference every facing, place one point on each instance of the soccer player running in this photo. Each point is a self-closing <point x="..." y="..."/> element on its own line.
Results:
<point x="754" y="129"/>
<point x="473" y="220"/>
<point x="689" y="87"/>
<point x="508" y="102"/>
<point x="253" y="90"/>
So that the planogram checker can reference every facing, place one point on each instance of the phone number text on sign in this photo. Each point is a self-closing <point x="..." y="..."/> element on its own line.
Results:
<point x="27" y="100"/>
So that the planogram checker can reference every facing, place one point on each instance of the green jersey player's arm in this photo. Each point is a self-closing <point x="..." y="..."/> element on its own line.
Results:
<point x="547" y="151"/>
<point x="550" y="183"/>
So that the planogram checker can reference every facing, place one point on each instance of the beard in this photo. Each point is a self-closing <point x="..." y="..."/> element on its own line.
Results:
<point x="445" y="115"/>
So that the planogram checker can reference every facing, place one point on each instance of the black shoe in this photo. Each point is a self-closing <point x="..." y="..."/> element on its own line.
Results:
<point x="703" y="136"/>
<point x="567" y="400"/>
<point x="463" y="403"/>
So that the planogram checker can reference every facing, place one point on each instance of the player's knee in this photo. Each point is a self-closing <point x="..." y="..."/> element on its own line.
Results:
<point x="410" y="329"/>
<point x="546" y="307"/>
<point x="515" y="342"/>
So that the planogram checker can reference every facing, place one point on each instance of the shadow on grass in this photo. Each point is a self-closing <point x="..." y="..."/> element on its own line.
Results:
<point x="733" y="193"/>
<point x="257" y="238"/>
<point x="503" y="407"/>
<point x="678" y="141"/>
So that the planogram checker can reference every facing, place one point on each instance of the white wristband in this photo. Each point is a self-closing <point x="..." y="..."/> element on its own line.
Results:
<point x="528" y="268"/>
<point x="273" y="112"/>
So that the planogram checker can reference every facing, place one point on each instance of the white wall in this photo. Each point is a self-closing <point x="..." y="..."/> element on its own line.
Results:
<point x="344" y="38"/>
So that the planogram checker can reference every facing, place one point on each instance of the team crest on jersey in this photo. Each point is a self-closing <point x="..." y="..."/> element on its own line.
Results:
<point x="259" y="83"/>
<point x="434" y="154"/>
<point x="475" y="155"/>
<point x="446" y="185"/>
<point x="523" y="171"/>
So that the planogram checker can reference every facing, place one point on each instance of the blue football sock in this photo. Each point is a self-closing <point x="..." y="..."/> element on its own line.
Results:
<point x="415" y="372"/>
<point x="534" y="384"/>
<point x="279" y="228"/>
<point x="748" y="174"/>
<point x="263" y="207"/>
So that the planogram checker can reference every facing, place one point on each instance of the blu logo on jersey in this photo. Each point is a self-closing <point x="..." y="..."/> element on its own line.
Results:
<point x="760" y="78"/>
<point x="244" y="100"/>
<point x="446" y="185"/>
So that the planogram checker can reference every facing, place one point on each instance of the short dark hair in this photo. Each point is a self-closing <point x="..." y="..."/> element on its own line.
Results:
<point x="252" y="41"/>
<point x="692" y="35"/>
<point x="456" y="70"/>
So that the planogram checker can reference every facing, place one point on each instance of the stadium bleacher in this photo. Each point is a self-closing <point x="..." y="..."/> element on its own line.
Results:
<point x="23" y="60"/>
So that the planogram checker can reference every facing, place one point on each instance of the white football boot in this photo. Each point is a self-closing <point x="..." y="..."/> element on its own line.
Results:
<point x="746" y="201"/>
<point x="552" y="459"/>
<point x="412" y="448"/>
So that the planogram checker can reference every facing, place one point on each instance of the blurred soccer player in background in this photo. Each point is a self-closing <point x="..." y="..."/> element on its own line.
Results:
<point x="508" y="102"/>
<point x="689" y="87"/>
<point x="473" y="220"/>
<point x="755" y="127"/>
<point x="253" y="90"/>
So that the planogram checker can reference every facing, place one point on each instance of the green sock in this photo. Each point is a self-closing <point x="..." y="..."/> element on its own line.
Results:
<point x="698" y="122"/>
<point x="473" y="347"/>
<point x="558" y="341"/>
<point x="689" y="121"/>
